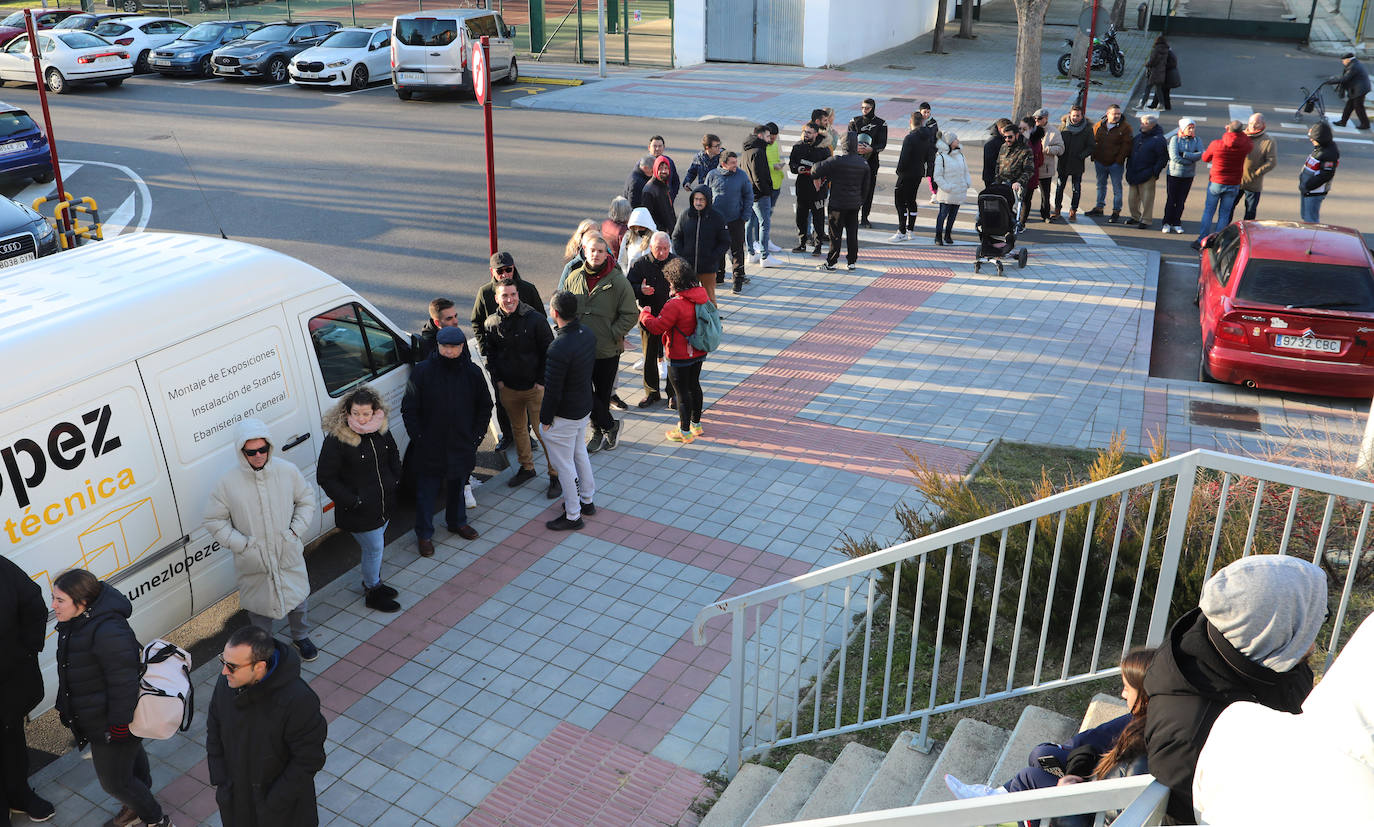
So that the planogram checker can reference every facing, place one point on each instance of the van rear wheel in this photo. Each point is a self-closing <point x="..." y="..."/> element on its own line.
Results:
<point x="513" y="75"/>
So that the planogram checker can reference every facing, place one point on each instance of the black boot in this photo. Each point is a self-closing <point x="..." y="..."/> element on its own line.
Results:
<point x="939" y="239"/>
<point x="949" y="238"/>
<point x="378" y="600"/>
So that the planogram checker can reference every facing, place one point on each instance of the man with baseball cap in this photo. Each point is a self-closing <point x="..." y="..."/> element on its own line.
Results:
<point x="502" y="267"/>
<point x="1354" y="82"/>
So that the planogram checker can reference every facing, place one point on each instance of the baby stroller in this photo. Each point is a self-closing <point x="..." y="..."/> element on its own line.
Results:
<point x="996" y="225"/>
<point x="1312" y="102"/>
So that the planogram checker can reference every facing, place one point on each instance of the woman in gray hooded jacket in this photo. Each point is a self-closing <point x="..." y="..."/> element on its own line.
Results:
<point x="1184" y="151"/>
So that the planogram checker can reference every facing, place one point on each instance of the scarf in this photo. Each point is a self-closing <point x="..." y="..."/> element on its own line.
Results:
<point x="373" y="425"/>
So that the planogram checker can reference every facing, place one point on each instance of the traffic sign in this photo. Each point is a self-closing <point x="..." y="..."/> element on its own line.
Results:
<point x="481" y="78"/>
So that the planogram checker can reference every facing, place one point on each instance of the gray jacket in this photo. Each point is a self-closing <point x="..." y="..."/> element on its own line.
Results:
<point x="1183" y="156"/>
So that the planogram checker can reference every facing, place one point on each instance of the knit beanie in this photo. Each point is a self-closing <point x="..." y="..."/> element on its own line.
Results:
<point x="1270" y="607"/>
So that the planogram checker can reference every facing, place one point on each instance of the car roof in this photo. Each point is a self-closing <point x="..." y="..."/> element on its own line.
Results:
<point x="6" y="108"/>
<point x="299" y="22"/>
<point x="457" y="13"/>
<point x="141" y="19"/>
<point x="368" y="29"/>
<point x="1295" y="241"/>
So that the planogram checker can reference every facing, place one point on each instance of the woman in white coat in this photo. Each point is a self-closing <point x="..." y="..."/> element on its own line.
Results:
<point x="952" y="178"/>
<point x="1263" y="766"/>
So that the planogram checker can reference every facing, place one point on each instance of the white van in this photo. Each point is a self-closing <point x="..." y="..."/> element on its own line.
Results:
<point x="431" y="51"/>
<point x="131" y="361"/>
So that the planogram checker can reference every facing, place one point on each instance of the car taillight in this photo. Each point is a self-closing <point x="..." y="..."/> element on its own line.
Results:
<point x="1231" y="332"/>
<point x="124" y="41"/>
<point x="463" y="48"/>
<point x="393" y="54"/>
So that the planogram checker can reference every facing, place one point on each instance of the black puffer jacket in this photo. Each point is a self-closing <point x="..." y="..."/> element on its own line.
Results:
<point x="98" y="667"/>
<point x="754" y="162"/>
<point x="848" y="177"/>
<point x="648" y="270"/>
<point x="917" y="158"/>
<point x="359" y="472"/>
<point x="700" y="235"/>
<point x="23" y="626"/>
<point x="1195" y="675"/>
<point x="516" y="346"/>
<point x="568" y="374"/>
<point x="484" y="306"/>
<point x="264" y="743"/>
<point x="447" y="409"/>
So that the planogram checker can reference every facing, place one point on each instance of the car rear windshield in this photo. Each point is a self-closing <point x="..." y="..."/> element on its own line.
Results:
<point x="272" y="34"/>
<point x="426" y="32"/>
<point x="347" y="40"/>
<point x="204" y="33"/>
<point x="83" y="40"/>
<point x="110" y="29"/>
<point x="76" y="21"/>
<point x="14" y="123"/>
<point x="16" y="20"/>
<point x="1300" y="285"/>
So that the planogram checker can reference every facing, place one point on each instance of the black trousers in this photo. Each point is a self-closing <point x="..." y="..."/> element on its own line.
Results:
<point x="1355" y="105"/>
<point x="872" y="185"/>
<point x="14" y="762"/>
<point x="843" y="223"/>
<point x="1065" y="177"/>
<point x="904" y="198"/>
<point x="1175" y="197"/>
<point x="603" y="385"/>
<point x="687" y="378"/>
<point x="1044" y="184"/>
<point x="652" y="347"/>
<point x="502" y="418"/>
<point x="736" y="229"/>
<point x="122" y="769"/>
<point x="810" y="216"/>
<point x="1161" y="96"/>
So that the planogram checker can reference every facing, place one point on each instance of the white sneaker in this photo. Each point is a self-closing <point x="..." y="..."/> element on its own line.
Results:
<point x="962" y="790"/>
<point x="773" y="248"/>
<point x="469" y="500"/>
<point x="771" y="261"/>
<point x="1178" y="228"/>
<point x="755" y="258"/>
<point x="932" y="198"/>
<point x="1166" y="229"/>
<point x="897" y="238"/>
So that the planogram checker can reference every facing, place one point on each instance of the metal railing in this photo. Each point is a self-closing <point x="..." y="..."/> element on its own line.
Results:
<point x="1044" y="595"/>
<point x="1140" y="799"/>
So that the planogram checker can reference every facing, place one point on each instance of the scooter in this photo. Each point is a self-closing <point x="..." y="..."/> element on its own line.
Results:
<point x="1106" y="54"/>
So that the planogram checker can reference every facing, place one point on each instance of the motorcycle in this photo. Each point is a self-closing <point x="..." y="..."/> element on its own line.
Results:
<point x="1106" y="54"/>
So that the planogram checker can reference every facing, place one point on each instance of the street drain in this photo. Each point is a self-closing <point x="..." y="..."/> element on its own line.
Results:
<point x="1220" y="415"/>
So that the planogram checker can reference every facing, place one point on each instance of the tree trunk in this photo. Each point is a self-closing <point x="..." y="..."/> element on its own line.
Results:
<point x="941" y="12"/>
<point x="1030" y="19"/>
<point x="1119" y="14"/>
<point x="966" y="20"/>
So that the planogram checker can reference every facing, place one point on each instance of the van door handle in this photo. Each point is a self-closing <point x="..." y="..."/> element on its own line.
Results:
<point x="435" y="54"/>
<point x="295" y="440"/>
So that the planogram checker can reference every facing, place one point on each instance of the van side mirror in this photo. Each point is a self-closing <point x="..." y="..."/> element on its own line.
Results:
<point x="510" y="32"/>
<point x="413" y="357"/>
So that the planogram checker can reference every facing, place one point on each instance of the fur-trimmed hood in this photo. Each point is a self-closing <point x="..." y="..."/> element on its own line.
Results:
<point x="335" y="424"/>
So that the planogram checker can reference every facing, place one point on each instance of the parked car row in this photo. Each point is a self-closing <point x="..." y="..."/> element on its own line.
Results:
<point x="420" y="52"/>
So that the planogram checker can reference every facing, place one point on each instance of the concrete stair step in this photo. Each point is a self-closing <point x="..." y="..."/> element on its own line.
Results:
<point x="903" y="770"/>
<point x="741" y="797"/>
<point x="1036" y="726"/>
<point x="843" y="783"/>
<point x="789" y="792"/>
<point x="972" y="752"/>
<point x="1101" y="709"/>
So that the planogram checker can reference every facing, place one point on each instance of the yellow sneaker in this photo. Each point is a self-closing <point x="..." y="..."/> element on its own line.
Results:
<point x="697" y="430"/>
<point x="674" y="435"/>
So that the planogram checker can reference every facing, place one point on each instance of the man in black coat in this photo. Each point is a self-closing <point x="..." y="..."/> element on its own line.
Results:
<point x="518" y="337"/>
<point x="651" y="291"/>
<point x="442" y="313"/>
<point x="759" y="223"/>
<point x="915" y="162"/>
<point x="1354" y="84"/>
<point x="875" y="128"/>
<point x="23" y="627"/>
<point x="502" y="266"/>
<point x="805" y="154"/>
<point x="264" y="737"/>
<point x="567" y="409"/>
<point x="848" y="177"/>
<point x="991" y="148"/>
<point x="446" y="410"/>
<point x="657" y="196"/>
<point x="639" y="176"/>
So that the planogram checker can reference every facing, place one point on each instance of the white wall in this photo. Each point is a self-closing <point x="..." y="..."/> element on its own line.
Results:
<point x="852" y="31"/>
<point x="689" y="32"/>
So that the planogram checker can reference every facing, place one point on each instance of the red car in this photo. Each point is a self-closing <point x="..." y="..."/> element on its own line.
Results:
<point x="1288" y="306"/>
<point x="13" y="25"/>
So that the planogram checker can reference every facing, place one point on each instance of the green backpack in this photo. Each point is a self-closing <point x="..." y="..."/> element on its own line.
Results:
<point x="707" y="335"/>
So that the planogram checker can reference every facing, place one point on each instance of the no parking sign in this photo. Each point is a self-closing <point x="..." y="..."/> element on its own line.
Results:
<point x="481" y="78"/>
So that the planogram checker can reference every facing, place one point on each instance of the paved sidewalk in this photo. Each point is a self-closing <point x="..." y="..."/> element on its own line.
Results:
<point x="550" y="678"/>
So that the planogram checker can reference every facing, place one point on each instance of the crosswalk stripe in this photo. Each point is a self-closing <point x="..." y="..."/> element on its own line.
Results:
<point x="119" y="219"/>
<point x="33" y="192"/>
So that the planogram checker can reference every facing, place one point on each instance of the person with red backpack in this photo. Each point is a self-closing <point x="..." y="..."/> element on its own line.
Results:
<point x="676" y="324"/>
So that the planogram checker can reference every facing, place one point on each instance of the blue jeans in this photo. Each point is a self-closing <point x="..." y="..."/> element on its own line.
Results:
<point x="371" y="543"/>
<point x="426" y="493"/>
<point x="1221" y="199"/>
<point x="1103" y="172"/>
<point x="1252" y="200"/>
<point x="944" y="222"/>
<point x="1310" y="207"/>
<point x="759" y="226"/>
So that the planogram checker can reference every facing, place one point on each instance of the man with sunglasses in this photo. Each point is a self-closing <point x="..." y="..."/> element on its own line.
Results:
<point x="502" y="267"/>
<point x="264" y="737"/>
<point x="260" y="510"/>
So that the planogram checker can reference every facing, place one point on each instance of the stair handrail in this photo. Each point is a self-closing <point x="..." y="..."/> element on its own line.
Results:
<point x="1181" y="470"/>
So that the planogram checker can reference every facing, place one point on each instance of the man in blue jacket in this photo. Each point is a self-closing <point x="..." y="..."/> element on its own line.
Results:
<point x="1149" y="156"/>
<point x="732" y="195"/>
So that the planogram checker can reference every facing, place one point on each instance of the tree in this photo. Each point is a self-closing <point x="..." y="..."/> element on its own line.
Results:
<point x="966" y="20"/>
<point x="1030" y="30"/>
<point x="941" y="12"/>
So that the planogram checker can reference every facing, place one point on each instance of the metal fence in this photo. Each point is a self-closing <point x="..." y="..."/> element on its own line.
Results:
<point x="1270" y="19"/>
<point x="1041" y="596"/>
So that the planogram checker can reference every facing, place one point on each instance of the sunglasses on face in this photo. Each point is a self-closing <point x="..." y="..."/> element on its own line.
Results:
<point x="509" y="268"/>
<point x="252" y="452"/>
<point x="234" y="667"/>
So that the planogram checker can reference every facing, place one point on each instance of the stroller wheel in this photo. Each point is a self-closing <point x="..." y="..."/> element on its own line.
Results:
<point x="1021" y="257"/>
<point x="977" y="266"/>
<point x="999" y="267"/>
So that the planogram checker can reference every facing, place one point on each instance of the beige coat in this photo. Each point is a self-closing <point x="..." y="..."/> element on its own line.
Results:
<point x="1051" y="147"/>
<point x="1263" y="157"/>
<point x="260" y="516"/>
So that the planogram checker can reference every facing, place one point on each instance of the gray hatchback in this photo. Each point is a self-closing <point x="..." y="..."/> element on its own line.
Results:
<point x="266" y="52"/>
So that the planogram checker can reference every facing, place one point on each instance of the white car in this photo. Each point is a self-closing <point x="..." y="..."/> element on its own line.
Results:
<point x="348" y="57"/>
<point x="68" y="58"/>
<point x="141" y="35"/>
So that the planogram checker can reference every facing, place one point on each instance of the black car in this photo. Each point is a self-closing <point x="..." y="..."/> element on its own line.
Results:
<point x="24" y="234"/>
<point x="89" y="20"/>
<point x="266" y="52"/>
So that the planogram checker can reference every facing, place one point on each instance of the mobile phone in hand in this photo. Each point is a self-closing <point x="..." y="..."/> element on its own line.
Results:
<point x="1051" y="765"/>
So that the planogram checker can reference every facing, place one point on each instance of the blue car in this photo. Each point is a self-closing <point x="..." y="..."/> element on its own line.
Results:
<point x="23" y="147"/>
<point x="190" y="53"/>
<point x="24" y="234"/>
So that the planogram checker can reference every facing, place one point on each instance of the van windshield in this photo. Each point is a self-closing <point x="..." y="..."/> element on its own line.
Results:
<point x="426" y="31"/>
<point x="14" y="123"/>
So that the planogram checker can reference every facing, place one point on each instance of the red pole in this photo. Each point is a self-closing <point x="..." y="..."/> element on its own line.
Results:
<point x="1088" y="64"/>
<point x="47" y="117"/>
<point x="491" y="167"/>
